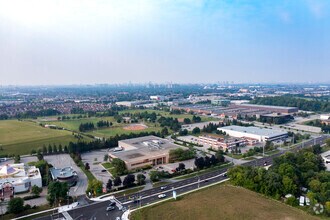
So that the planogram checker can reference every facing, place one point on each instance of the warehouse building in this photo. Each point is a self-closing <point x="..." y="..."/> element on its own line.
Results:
<point x="260" y="134"/>
<point x="270" y="108"/>
<point x="143" y="151"/>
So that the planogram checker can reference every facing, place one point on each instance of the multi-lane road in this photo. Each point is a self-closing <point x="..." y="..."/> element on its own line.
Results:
<point x="96" y="211"/>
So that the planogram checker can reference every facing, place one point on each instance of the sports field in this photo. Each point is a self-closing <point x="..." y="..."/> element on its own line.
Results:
<point x="120" y="129"/>
<point x="20" y="137"/>
<point x="221" y="202"/>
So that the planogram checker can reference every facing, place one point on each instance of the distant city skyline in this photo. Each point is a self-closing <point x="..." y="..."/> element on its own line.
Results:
<point x="45" y="42"/>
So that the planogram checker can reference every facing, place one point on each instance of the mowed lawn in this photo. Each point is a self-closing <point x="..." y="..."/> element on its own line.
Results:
<point x="20" y="137"/>
<point x="119" y="129"/>
<point x="221" y="202"/>
<point x="74" y="123"/>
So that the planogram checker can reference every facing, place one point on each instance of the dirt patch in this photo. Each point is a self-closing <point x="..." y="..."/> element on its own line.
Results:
<point x="135" y="127"/>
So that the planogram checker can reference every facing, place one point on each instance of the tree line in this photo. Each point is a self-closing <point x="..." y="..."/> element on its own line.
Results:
<point x="302" y="104"/>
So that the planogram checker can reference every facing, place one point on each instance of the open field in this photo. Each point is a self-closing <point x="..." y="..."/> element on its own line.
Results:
<point x="112" y="131"/>
<point x="20" y="137"/>
<point x="167" y="114"/>
<point x="74" y="123"/>
<point x="221" y="202"/>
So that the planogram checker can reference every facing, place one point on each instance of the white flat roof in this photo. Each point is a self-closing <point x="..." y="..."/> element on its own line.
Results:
<point x="254" y="130"/>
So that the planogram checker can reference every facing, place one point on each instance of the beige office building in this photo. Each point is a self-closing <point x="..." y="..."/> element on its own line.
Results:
<point x="143" y="151"/>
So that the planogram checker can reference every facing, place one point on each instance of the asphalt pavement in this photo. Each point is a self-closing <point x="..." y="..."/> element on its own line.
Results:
<point x="96" y="211"/>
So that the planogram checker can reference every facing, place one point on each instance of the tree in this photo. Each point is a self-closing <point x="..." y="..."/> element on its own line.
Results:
<point x="292" y="201"/>
<point x="60" y="148"/>
<point x="317" y="149"/>
<point x="109" y="185"/>
<point x="17" y="158"/>
<point x="57" y="191"/>
<point x="54" y="148"/>
<point x="119" y="167"/>
<point x="36" y="190"/>
<point x="181" y="166"/>
<point x="44" y="149"/>
<point x="219" y="155"/>
<point x="94" y="187"/>
<point x="196" y="130"/>
<point x="289" y="187"/>
<point x="117" y="181"/>
<point x="40" y="156"/>
<point x="199" y="162"/>
<point x="50" y="149"/>
<point x="187" y="121"/>
<point x="16" y="205"/>
<point x="140" y="178"/>
<point x="106" y="157"/>
<point x="164" y="131"/>
<point x="129" y="180"/>
<point x="33" y="151"/>
<point x="87" y="167"/>
<point x="327" y="208"/>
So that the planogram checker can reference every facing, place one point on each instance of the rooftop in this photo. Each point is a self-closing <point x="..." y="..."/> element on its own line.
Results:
<point x="144" y="147"/>
<point x="255" y="130"/>
<point x="62" y="172"/>
<point x="268" y="106"/>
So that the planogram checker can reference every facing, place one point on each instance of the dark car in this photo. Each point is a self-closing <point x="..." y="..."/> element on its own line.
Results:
<point x="103" y="171"/>
<point x="110" y="208"/>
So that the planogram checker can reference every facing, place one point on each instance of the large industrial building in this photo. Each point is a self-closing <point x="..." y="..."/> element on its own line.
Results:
<point x="260" y="134"/>
<point x="143" y="151"/>
<point x="233" y="110"/>
<point x="271" y="108"/>
<point x="17" y="178"/>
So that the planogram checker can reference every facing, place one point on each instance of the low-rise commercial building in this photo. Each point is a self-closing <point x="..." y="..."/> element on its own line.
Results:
<point x="17" y="178"/>
<point x="143" y="151"/>
<point x="217" y="143"/>
<point x="260" y="134"/>
<point x="66" y="174"/>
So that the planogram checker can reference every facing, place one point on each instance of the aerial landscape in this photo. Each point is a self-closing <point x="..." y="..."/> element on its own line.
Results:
<point x="169" y="110"/>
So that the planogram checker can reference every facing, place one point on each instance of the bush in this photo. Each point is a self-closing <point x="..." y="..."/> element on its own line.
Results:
<point x="292" y="201"/>
<point x="31" y="197"/>
<point x="16" y="205"/>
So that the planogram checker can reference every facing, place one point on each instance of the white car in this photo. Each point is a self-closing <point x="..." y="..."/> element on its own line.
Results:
<point x="160" y="196"/>
<point x="163" y="187"/>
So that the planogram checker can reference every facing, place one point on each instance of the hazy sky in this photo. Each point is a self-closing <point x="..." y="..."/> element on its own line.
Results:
<point x="113" y="41"/>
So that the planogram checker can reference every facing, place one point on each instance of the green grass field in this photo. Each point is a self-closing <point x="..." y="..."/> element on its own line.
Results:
<point x="74" y="123"/>
<point x="221" y="202"/>
<point x="20" y="137"/>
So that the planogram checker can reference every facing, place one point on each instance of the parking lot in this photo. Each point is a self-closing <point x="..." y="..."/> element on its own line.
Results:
<point x="64" y="160"/>
<point x="95" y="159"/>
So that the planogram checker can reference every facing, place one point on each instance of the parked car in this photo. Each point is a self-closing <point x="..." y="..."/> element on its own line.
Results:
<point x="163" y="187"/>
<point x="110" y="208"/>
<point x="103" y="171"/>
<point x="112" y="204"/>
<point x="160" y="196"/>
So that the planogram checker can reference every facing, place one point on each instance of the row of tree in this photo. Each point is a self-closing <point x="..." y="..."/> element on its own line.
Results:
<point x="83" y="127"/>
<point x="206" y="162"/>
<point x="103" y="123"/>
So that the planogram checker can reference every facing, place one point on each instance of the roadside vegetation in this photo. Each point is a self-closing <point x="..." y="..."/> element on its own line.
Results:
<point x="290" y="176"/>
